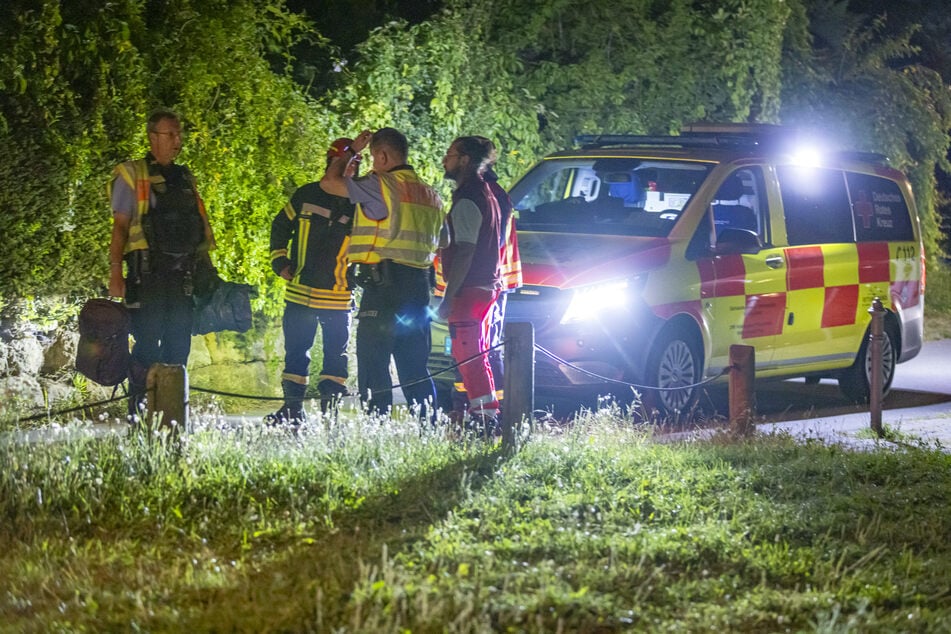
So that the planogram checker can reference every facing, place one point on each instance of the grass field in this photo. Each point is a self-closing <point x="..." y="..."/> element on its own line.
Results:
<point x="379" y="526"/>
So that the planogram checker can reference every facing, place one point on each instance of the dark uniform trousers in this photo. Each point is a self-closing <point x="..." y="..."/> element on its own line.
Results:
<point x="393" y="320"/>
<point x="300" y="330"/>
<point x="161" y="326"/>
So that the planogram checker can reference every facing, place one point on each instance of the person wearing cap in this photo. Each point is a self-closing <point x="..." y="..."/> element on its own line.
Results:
<point x="395" y="235"/>
<point x="470" y="265"/>
<point x="309" y="239"/>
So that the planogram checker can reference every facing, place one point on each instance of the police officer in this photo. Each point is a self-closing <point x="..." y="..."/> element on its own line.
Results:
<point x="316" y="225"/>
<point x="395" y="235"/>
<point x="161" y="231"/>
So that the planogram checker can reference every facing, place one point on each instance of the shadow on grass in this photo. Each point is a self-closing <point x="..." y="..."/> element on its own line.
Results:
<point x="306" y="584"/>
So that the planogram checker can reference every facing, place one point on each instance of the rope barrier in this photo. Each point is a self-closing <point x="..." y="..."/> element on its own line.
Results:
<point x="428" y="377"/>
<point x="51" y="414"/>
<point x="636" y="386"/>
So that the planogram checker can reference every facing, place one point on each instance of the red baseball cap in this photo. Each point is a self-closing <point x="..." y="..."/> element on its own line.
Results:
<point x="337" y="147"/>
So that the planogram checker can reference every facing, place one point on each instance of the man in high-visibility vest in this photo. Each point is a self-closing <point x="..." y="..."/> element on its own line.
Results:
<point x="395" y="235"/>
<point x="161" y="232"/>
<point x="309" y="240"/>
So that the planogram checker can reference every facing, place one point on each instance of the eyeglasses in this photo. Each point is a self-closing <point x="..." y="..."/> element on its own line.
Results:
<point x="448" y="154"/>
<point x="173" y="134"/>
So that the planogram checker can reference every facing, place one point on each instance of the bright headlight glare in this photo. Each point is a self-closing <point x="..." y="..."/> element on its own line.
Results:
<point x="596" y="302"/>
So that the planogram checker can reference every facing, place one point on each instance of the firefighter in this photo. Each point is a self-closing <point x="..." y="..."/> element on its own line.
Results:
<point x="309" y="239"/>
<point x="161" y="232"/>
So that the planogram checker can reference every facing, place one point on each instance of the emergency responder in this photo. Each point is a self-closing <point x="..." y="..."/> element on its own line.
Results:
<point x="161" y="231"/>
<point x="510" y="273"/>
<point x="395" y="234"/>
<point x="470" y="264"/>
<point x="510" y="268"/>
<point x="317" y="227"/>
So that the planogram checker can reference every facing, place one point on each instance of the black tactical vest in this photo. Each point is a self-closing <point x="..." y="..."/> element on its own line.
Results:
<point x="173" y="224"/>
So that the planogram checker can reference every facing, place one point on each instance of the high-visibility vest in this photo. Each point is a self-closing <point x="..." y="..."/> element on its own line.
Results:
<point x="410" y="232"/>
<point x="510" y="262"/>
<point x="136" y="175"/>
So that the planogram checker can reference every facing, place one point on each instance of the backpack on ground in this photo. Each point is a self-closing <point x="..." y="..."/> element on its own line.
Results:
<point x="103" y="351"/>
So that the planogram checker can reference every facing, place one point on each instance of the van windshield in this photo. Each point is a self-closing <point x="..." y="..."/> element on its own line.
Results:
<point x="616" y="196"/>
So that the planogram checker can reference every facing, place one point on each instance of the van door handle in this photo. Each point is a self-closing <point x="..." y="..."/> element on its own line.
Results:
<point x="774" y="262"/>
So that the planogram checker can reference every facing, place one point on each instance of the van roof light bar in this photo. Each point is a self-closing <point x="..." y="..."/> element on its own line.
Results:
<point x="726" y="135"/>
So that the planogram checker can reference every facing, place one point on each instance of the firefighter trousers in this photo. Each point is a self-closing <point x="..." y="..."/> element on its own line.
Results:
<point x="300" y="330"/>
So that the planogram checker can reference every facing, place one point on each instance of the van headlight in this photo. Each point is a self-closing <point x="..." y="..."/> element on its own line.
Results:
<point x="595" y="302"/>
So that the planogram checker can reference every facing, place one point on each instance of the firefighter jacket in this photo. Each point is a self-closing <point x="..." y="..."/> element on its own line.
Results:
<point x="311" y="234"/>
<point x="409" y="234"/>
<point x="174" y="184"/>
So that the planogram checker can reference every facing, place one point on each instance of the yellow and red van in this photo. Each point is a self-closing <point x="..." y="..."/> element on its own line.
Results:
<point x="646" y="258"/>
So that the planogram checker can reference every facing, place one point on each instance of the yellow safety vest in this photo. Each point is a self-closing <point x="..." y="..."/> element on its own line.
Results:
<point x="136" y="176"/>
<point x="410" y="232"/>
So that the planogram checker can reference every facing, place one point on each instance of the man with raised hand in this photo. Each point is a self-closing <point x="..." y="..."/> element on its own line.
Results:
<point x="395" y="235"/>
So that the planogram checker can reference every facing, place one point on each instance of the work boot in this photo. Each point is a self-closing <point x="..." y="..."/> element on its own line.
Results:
<point x="484" y="426"/>
<point x="137" y="393"/>
<point x="330" y="394"/>
<point x="292" y="412"/>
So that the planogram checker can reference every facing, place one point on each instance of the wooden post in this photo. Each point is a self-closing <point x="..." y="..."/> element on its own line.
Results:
<point x="167" y="387"/>
<point x="519" y="378"/>
<point x="875" y="379"/>
<point x="742" y="377"/>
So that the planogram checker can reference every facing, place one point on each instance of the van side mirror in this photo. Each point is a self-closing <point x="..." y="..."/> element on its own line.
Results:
<point x="733" y="240"/>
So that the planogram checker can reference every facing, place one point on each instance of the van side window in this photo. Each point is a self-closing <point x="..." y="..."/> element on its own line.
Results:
<point x="738" y="201"/>
<point x="879" y="209"/>
<point x="816" y="205"/>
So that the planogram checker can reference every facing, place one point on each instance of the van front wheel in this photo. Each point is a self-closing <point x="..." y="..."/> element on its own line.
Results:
<point x="674" y="362"/>
<point x="854" y="382"/>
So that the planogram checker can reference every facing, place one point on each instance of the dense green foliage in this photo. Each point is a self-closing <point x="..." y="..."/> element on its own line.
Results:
<point x="77" y="79"/>
<point x="80" y="80"/>
<point x="436" y="81"/>
<point x="71" y="98"/>
<point x="359" y="526"/>
<point x="643" y="66"/>
<point x="851" y="84"/>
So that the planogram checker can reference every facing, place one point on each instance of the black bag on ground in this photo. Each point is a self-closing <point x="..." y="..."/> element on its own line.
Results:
<point x="102" y="354"/>
<point x="228" y="307"/>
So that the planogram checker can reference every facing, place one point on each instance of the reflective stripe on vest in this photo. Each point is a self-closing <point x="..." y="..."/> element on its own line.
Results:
<point x="411" y="234"/>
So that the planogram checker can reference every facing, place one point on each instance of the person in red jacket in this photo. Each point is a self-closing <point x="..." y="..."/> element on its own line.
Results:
<point x="470" y="265"/>
<point x="510" y="273"/>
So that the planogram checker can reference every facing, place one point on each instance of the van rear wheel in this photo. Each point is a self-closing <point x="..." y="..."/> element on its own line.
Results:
<point x="674" y="362"/>
<point x="854" y="382"/>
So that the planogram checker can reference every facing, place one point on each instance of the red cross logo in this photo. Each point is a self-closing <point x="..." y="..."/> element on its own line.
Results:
<point x="862" y="207"/>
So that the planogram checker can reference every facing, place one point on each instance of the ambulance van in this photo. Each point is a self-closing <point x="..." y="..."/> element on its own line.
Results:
<point x="646" y="258"/>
